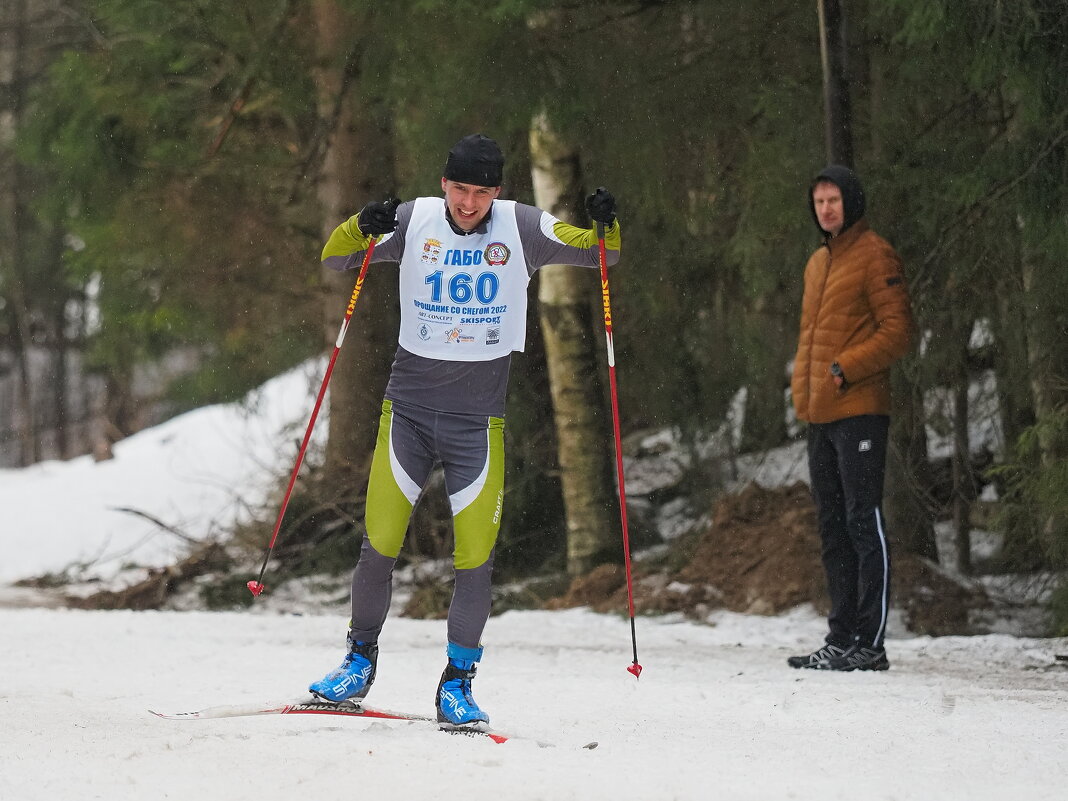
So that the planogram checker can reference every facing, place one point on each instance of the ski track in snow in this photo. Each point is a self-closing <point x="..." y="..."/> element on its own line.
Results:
<point x="716" y="714"/>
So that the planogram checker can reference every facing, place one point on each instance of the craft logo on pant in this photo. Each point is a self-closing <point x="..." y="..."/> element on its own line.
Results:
<point x="865" y="445"/>
<point x="500" y="507"/>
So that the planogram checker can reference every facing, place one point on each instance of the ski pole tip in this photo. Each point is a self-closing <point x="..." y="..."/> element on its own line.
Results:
<point x="255" y="587"/>
<point x="636" y="669"/>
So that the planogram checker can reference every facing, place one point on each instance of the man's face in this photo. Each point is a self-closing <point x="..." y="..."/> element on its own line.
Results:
<point x="468" y="204"/>
<point x="827" y="200"/>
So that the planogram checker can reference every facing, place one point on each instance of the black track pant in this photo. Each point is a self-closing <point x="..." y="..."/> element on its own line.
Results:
<point x="847" y="462"/>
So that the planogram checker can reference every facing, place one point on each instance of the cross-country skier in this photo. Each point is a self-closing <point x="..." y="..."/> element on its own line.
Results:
<point x="465" y="262"/>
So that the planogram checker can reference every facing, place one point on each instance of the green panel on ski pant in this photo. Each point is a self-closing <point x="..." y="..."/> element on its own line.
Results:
<point x="388" y="510"/>
<point x="477" y="524"/>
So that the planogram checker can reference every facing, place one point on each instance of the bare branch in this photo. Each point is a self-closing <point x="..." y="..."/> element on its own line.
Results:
<point x="153" y="519"/>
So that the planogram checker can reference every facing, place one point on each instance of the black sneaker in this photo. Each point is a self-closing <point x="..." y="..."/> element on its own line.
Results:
<point x="859" y="658"/>
<point x="817" y="658"/>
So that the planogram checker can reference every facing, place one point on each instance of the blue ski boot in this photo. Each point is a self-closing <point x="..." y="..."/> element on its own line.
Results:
<point x="456" y="707"/>
<point x="353" y="678"/>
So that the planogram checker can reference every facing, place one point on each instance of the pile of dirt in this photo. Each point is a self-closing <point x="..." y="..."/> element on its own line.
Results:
<point x="761" y="555"/>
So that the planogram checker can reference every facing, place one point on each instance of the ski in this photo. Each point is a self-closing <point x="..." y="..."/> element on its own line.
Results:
<point x="313" y="706"/>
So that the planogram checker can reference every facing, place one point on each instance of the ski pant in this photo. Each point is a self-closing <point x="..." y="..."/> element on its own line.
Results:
<point x="847" y="463"/>
<point x="470" y="449"/>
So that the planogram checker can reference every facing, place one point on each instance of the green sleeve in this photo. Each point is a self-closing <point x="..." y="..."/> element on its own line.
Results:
<point x="576" y="237"/>
<point x="346" y="240"/>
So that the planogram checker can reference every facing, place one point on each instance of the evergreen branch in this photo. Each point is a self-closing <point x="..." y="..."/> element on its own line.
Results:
<point x="241" y="96"/>
<point x="953" y="229"/>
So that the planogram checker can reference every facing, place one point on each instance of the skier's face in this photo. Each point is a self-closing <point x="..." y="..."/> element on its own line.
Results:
<point x="468" y="204"/>
<point x="830" y="211"/>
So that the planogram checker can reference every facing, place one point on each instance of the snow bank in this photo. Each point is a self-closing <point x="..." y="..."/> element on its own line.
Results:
<point x="198" y="474"/>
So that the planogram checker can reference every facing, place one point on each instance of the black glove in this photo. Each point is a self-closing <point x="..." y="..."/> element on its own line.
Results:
<point x="378" y="217"/>
<point x="601" y="206"/>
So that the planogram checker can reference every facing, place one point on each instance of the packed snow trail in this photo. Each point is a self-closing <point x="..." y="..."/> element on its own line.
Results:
<point x="716" y="714"/>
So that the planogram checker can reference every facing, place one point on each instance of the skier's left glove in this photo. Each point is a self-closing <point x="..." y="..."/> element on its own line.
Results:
<point x="601" y="206"/>
<point x="378" y="217"/>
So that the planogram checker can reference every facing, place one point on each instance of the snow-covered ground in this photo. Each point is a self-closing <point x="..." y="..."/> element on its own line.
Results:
<point x="716" y="713"/>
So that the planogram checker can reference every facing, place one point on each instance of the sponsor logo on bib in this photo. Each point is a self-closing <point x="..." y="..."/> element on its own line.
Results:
<point x="431" y="251"/>
<point x="456" y="335"/>
<point x="497" y="254"/>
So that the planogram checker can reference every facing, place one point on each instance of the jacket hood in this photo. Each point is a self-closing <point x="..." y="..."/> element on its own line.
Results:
<point x="852" y="194"/>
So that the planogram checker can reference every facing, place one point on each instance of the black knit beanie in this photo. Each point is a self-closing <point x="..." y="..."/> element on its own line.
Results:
<point x="476" y="160"/>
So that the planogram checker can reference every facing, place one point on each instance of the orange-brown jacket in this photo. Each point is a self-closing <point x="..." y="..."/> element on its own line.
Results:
<point x="855" y="311"/>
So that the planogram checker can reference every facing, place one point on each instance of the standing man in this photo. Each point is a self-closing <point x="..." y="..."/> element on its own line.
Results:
<point x="465" y="261"/>
<point x="855" y="323"/>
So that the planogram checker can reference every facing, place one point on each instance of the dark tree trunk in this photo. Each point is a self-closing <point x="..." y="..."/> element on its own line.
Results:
<point x="764" y="424"/>
<point x="357" y="167"/>
<point x="837" y="111"/>
<point x="963" y="485"/>
<point x="909" y="506"/>
<point x="13" y="60"/>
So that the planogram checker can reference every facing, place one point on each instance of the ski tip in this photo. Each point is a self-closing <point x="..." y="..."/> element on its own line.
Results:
<point x="636" y="669"/>
<point x="255" y="587"/>
<point x="175" y="715"/>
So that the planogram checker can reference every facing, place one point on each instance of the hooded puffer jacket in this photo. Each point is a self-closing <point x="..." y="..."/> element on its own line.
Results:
<point x="855" y="311"/>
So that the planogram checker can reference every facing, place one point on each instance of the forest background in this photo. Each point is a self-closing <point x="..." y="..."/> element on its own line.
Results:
<point x="171" y="170"/>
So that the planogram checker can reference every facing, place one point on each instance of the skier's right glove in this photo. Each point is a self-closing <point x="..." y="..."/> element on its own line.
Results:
<point x="601" y="206"/>
<point x="378" y="217"/>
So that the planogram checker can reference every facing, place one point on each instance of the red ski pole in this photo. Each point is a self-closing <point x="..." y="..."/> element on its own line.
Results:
<point x="635" y="668"/>
<point x="256" y="585"/>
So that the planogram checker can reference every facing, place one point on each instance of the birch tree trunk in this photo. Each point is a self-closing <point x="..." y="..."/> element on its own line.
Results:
<point x="583" y="433"/>
<point x="357" y="167"/>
